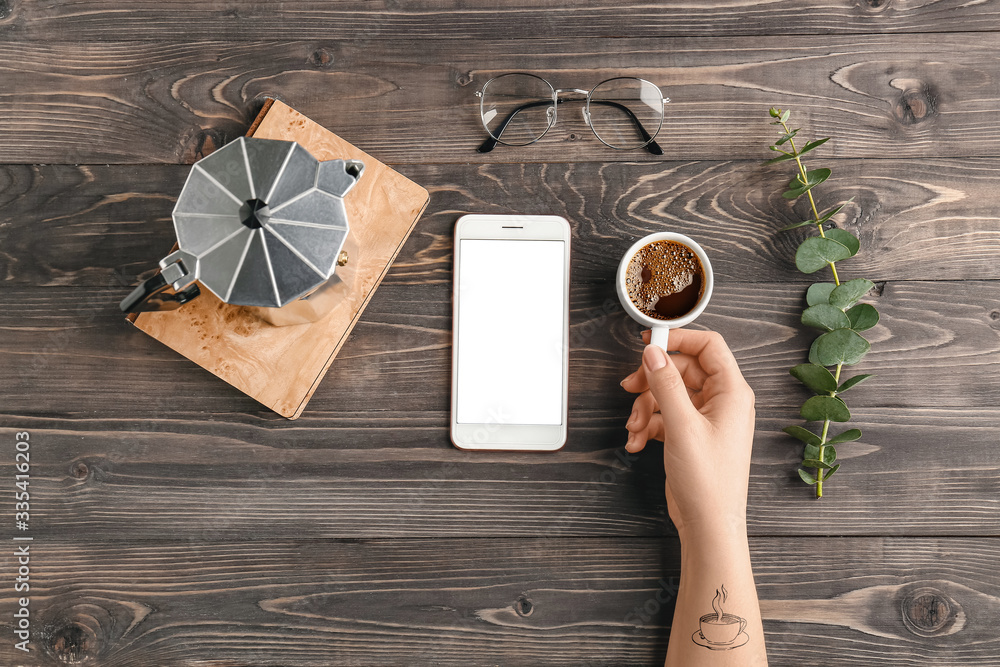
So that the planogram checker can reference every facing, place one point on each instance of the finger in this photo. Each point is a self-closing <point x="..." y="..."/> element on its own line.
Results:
<point x="697" y="400"/>
<point x="692" y="372"/>
<point x="708" y="347"/>
<point x="667" y="386"/>
<point x="642" y="410"/>
<point x="653" y="431"/>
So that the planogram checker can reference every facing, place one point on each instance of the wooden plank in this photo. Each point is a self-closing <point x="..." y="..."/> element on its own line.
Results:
<point x="903" y="95"/>
<point x="431" y="19"/>
<point x="507" y="601"/>
<point x="937" y="345"/>
<point x="926" y="220"/>
<point x="281" y="366"/>
<point x="387" y="472"/>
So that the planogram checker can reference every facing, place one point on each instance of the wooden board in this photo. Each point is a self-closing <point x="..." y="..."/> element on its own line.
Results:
<point x="920" y="220"/>
<point x="367" y="474"/>
<point x="435" y="19"/>
<point x="282" y="366"/>
<point x="565" y="602"/>
<point x="900" y="96"/>
<point x="937" y="345"/>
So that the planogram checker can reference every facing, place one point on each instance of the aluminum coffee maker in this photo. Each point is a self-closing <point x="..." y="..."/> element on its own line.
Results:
<point x="262" y="224"/>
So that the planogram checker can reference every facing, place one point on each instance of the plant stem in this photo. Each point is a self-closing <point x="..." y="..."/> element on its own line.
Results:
<point x="812" y="202"/>
<point x="819" y="471"/>
<point x="822" y="444"/>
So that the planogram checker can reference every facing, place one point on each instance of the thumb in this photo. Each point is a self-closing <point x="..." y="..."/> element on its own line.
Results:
<point x="667" y="386"/>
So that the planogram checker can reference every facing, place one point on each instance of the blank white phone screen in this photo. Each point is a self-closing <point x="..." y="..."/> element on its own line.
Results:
<point x="510" y="332"/>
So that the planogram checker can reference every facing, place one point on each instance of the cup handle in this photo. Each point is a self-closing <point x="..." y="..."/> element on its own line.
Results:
<point x="743" y="626"/>
<point x="659" y="337"/>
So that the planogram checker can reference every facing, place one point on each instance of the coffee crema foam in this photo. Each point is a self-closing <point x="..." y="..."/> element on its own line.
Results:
<point x="665" y="280"/>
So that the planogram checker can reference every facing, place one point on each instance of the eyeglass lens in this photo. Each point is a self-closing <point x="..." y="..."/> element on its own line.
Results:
<point x="626" y="113"/>
<point x="517" y="109"/>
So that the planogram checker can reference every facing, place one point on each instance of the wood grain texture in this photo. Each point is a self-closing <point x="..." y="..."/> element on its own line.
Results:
<point x="385" y="472"/>
<point x="938" y="345"/>
<point x="487" y="602"/>
<point x="103" y="20"/>
<point x="281" y="366"/>
<point x="178" y="522"/>
<point x="901" y="96"/>
<point x="917" y="220"/>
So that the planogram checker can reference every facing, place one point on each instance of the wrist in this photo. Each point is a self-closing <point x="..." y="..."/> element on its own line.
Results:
<point x="711" y="533"/>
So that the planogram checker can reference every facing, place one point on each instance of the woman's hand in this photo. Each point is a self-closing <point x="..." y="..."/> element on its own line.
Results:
<point x="699" y="405"/>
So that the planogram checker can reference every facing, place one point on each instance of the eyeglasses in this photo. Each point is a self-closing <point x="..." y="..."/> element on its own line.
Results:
<point x="517" y="109"/>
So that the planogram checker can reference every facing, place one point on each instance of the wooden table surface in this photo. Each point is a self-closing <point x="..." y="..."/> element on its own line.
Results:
<point x="177" y="522"/>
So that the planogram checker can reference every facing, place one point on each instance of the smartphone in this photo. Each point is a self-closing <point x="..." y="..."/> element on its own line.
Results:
<point x="510" y="342"/>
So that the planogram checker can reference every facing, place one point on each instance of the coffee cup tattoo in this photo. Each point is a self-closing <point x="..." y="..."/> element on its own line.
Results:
<point x="721" y="631"/>
<point x="665" y="280"/>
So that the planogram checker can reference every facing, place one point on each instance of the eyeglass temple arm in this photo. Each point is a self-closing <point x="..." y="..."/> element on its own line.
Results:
<point x="650" y="146"/>
<point x="491" y="143"/>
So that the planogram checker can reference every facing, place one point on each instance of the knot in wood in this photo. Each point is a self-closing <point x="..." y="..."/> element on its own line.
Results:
<point x="79" y="470"/>
<point x="463" y="79"/>
<point x="523" y="606"/>
<point x="876" y="6"/>
<point x="916" y="103"/>
<point x="6" y="8"/>
<point x="73" y="644"/>
<point x="321" y="58"/>
<point x="995" y="315"/>
<point x="927" y="612"/>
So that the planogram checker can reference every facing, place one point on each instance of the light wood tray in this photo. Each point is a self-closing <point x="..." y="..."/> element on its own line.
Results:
<point x="282" y="366"/>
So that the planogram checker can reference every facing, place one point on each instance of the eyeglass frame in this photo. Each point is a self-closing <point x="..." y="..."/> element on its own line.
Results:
<point x="650" y="145"/>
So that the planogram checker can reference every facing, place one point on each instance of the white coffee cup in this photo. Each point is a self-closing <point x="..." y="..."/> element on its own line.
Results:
<point x="661" y="328"/>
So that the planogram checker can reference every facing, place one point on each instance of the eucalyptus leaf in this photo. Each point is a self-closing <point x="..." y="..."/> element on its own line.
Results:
<point x="840" y="346"/>
<point x="829" y="473"/>
<point x="813" y="355"/>
<point x="780" y="158"/>
<point x="813" y="144"/>
<point x="847" y="436"/>
<point x="814" y="463"/>
<point x="786" y="137"/>
<point x="817" y="378"/>
<point x="819" y="293"/>
<point x="826" y="317"/>
<point x="835" y="210"/>
<point x="847" y="294"/>
<point x="863" y="316"/>
<point x="810" y="452"/>
<point x="817" y="252"/>
<point x="806" y="477"/>
<point x="821" y="408"/>
<point x="797" y="225"/>
<point x="844" y="238"/>
<point x="803" y="434"/>
<point x="857" y="379"/>
<point x="829" y="454"/>
<point x="798" y="187"/>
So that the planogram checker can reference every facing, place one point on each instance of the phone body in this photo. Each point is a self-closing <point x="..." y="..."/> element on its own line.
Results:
<point x="510" y="341"/>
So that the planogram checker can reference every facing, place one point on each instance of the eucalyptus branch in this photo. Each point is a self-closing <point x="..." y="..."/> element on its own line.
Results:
<point x="833" y="308"/>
